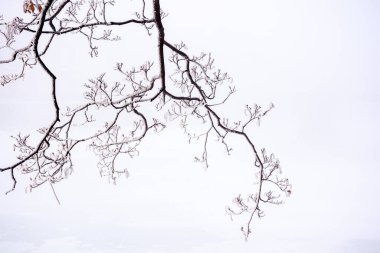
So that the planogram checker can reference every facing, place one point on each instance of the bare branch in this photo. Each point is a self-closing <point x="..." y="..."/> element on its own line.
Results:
<point x="192" y="92"/>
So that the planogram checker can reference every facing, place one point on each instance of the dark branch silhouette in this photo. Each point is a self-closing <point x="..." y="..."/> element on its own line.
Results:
<point x="194" y="90"/>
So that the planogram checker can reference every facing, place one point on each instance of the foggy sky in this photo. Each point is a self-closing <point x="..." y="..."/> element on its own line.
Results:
<point x="317" y="61"/>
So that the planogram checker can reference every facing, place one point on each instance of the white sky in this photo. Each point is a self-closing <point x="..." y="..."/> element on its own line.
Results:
<point x="317" y="61"/>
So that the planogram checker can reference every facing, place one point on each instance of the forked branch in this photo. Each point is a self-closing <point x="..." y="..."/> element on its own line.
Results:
<point x="191" y="92"/>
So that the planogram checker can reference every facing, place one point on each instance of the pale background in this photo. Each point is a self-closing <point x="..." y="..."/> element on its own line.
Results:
<point x="317" y="61"/>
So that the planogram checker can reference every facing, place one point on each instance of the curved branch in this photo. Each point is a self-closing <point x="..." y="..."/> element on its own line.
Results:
<point x="16" y="52"/>
<point x="35" y="49"/>
<point x="60" y="8"/>
<point x="112" y="23"/>
<point x="196" y="83"/>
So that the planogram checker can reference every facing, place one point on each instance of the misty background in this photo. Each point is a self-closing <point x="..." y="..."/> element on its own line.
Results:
<point x="317" y="61"/>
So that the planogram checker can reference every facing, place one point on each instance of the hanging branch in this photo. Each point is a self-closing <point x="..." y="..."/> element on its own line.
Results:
<point x="192" y="92"/>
